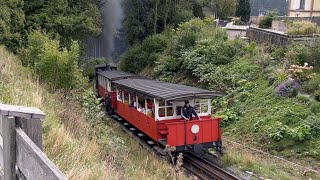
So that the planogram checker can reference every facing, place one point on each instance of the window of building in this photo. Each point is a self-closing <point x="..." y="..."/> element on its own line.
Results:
<point x="302" y="4"/>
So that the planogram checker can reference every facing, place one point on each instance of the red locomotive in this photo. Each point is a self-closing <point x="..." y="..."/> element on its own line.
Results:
<point x="154" y="107"/>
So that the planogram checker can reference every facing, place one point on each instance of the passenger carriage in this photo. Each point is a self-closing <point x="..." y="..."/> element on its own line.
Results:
<point x="154" y="107"/>
<point x="104" y="77"/>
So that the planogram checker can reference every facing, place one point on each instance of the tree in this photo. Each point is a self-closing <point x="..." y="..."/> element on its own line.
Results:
<point x="146" y="17"/>
<point x="12" y="20"/>
<point x="222" y="8"/>
<point x="67" y="19"/>
<point x="243" y="10"/>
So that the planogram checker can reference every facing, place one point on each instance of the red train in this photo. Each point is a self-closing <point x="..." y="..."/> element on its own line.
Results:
<point x="154" y="107"/>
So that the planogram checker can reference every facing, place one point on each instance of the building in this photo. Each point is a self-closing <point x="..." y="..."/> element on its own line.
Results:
<point x="261" y="7"/>
<point x="304" y="8"/>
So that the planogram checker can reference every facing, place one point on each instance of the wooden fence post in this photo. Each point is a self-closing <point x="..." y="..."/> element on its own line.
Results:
<point x="33" y="128"/>
<point x="9" y="147"/>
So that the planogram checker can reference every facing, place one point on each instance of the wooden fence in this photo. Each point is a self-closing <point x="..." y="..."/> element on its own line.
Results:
<point x="21" y="145"/>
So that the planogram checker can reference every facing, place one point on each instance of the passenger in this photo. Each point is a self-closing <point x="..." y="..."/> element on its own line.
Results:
<point x="150" y="108"/>
<point x="141" y="109"/>
<point x="187" y="112"/>
<point x="120" y="95"/>
<point x="133" y="103"/>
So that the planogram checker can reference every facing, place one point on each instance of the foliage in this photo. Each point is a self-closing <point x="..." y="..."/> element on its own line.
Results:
<point x="144" y="55"/>
<point x="237" y="21"/>
<point x="69" y="20"/>
<point x="144" y="18"/>
<point x="305" y="53"/>
<point x="12" y="21"/>
<point x="55" y="66"/>
<point x="301" y="73"/>
<point x="244" y="10"/>
<point x="317" y="95"/>
<point x="280" y="77"/>
<point x="88" y="65"/>
<point x="91" y="107"/>
<point x="302" y="28"/>
<point x="266" y="21"/>
<point x="289" y="88"/>
<point x="313" y="84"/>
<point x="222" y="8"/>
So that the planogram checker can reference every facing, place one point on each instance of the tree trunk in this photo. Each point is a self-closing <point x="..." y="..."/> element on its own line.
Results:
<point x="155" y="17"/>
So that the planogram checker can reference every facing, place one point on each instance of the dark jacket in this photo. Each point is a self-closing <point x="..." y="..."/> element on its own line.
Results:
<point x="187" y="112"/>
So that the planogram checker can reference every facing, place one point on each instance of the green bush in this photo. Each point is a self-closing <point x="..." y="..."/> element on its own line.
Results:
<point x="317" y="95"/>
<point x="305" y="53"/>
<point x="266" y="21"/>
<point x="144" y="55"/>
<point x="302" y="28"/>
<point x="56" y="66"/>
<point x="313" y="84"/>
<point x="88" y="65"/>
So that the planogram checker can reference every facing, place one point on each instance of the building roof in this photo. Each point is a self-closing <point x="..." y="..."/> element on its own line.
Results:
<point x="164" y="91"/>
<point x="115" y="75"/>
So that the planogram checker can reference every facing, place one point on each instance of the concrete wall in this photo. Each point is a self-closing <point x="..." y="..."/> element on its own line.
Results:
<point x="312" y="19"/>
<point x="234" y="33"/>
<point x="265" y="36"/>
<point x="272" y="37"/>
<point x="279" y="26"/>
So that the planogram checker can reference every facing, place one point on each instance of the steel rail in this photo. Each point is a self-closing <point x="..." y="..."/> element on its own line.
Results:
<point x="198" y="166"/>
<point x="205" y="169"/>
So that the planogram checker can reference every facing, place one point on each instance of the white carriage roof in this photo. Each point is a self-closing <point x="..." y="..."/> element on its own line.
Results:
<point x="164" y="91"/>
<point x="115" y="75"/>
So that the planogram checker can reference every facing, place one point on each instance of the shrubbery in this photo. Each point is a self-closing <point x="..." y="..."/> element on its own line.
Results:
<point x="308" y="52"/>
<point x="302" y="28"/>
<point x="144" y="55"/>
<point x="56" y="66"/>
<point x="266" y="21"/>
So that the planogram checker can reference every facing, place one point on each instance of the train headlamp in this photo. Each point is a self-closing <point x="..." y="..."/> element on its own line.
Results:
<point x="195" y="129"/>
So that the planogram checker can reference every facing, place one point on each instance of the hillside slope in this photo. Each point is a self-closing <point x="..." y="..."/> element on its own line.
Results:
<point x="79" y="150"/>
<point x="271" y="94"/>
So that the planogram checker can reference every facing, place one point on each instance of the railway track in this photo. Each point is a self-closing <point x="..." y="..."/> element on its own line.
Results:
<point x="198" y="166"/>
<point x="205" y="169"/>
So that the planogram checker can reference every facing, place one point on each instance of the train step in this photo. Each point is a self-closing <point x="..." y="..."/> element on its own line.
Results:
<point x="115" y="116"/>
<point x="151" y="143"/>
<point x="163" y="142"/>
<point x="163" y="132"/>
<point x="160" y="150"/>
<point x="141" y="135"/>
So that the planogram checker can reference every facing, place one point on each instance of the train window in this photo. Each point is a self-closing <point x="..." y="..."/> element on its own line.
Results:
<point x="179" y="110"/>
<point x="119" y="96"/>
<point x="169" y="111"/>
<point x="204" y="106"/>
<point x="166" y="109"/>
<point x="108" y="85"/>
<point x="126" y="97"/>
<point x="201" y="105"/>
<point x="141" y="104"/>
<point x="197" y="105"/>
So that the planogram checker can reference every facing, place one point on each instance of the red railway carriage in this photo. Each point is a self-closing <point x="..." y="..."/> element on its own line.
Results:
<point x="154" y="107"/>
<point x="104" y="80"/>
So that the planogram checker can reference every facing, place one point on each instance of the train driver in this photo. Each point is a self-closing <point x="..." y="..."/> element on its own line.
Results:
<point x="188" y="111"/>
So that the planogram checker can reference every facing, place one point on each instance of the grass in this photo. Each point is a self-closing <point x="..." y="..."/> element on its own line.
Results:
<point x="80" y="151"/>
<point x="260" y="112"/>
